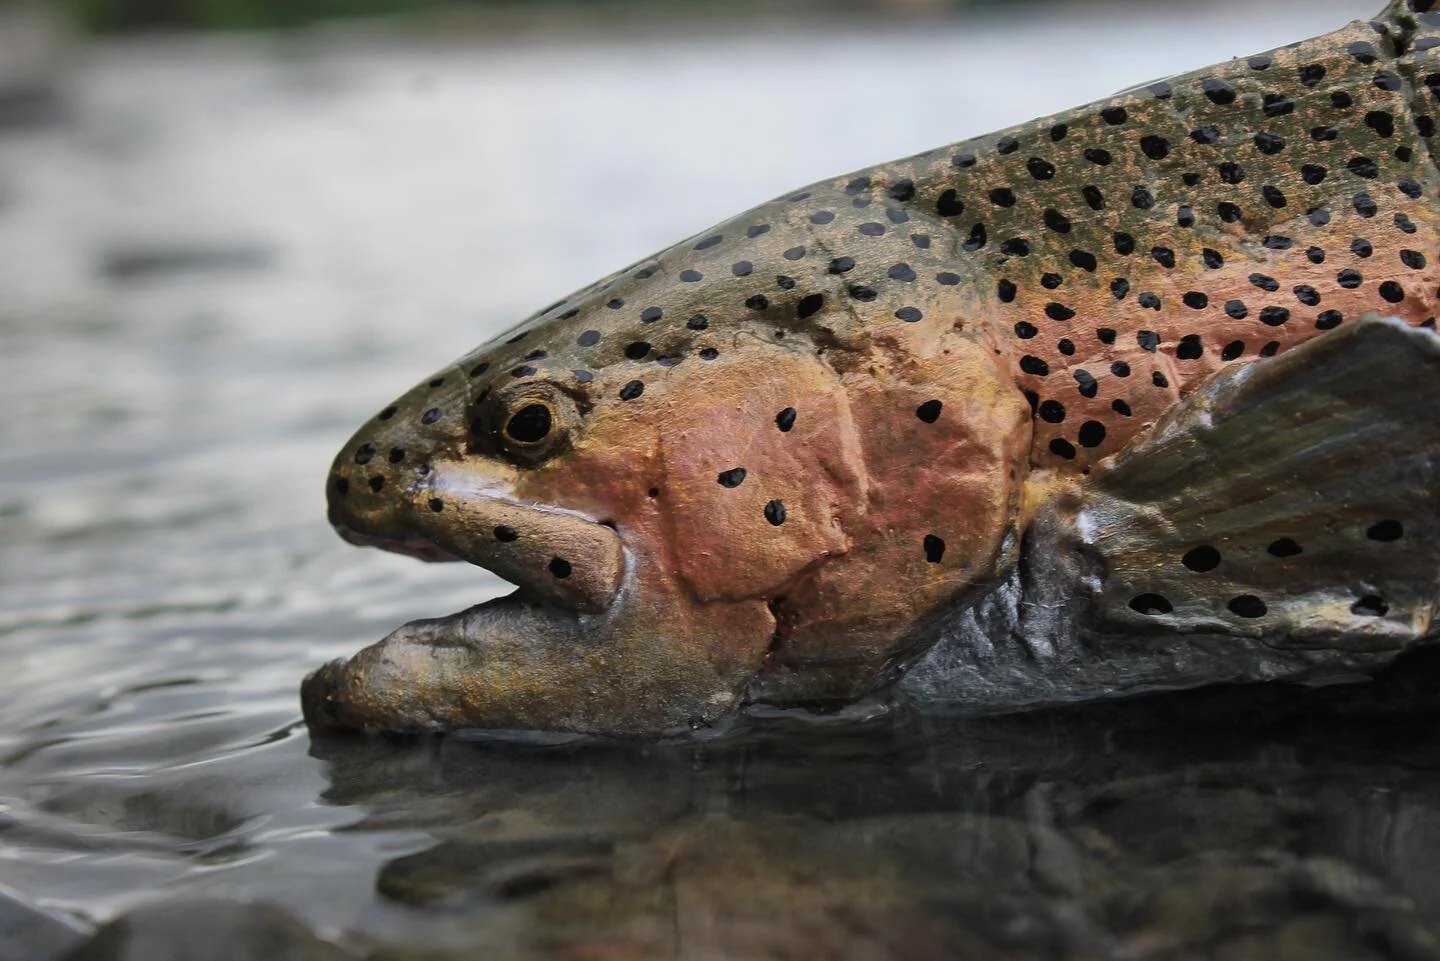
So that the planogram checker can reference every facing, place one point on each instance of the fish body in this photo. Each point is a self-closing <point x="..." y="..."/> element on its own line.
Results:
<point x="937" y="411"/>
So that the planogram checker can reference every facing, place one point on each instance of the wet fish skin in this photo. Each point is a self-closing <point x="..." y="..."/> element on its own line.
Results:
<point x="778" y="455"/>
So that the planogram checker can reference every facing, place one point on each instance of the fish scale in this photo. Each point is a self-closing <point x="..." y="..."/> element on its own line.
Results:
<point x="1230" y="203"/>
<point x="995" y="405"/>
<point x="1151" y="293"/>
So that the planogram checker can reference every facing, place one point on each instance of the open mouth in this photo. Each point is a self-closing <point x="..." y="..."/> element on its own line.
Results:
<point x="417" y="547"/>
<point x="431" y="674"/>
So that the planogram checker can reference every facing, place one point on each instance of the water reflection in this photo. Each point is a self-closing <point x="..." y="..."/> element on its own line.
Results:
<point x="1204" y="826"/>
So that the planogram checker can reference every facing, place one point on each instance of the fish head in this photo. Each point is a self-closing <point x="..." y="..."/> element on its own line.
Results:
<point x="690" y="484"/>
<point x="648" y="499"/>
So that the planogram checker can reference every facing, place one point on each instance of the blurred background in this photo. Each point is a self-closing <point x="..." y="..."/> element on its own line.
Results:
<point x="231" y="230"/>
<point x="131" y="15"/>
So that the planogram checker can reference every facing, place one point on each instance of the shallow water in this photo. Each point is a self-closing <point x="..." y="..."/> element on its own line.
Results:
<point x="225" y="255"/>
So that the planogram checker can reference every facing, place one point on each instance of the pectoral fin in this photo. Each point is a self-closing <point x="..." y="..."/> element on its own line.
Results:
<point x="1291" y="501"/>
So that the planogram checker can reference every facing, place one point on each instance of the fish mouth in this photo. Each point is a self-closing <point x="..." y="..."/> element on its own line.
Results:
<point x="437" y="674"/>
<point x="595" y="638"/>
<point x="473" y="668"/>
<point x="416" y="547"/>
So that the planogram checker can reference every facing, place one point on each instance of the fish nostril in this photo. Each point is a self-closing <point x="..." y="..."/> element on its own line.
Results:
<point x="397" y="454"/>
<point x="560" y="567"/>
<point x="505" y="534"/>
<point x="376" y="483"/>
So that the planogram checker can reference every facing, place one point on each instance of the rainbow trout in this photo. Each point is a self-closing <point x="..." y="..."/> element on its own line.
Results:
<point x="1137" y="396"/>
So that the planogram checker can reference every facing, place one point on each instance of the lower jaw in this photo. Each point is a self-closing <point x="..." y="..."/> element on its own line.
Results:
<point x="427" y="674"/>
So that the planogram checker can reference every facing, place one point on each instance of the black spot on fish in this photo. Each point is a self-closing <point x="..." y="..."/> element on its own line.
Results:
<point x="1201" y="559"/>
<point x="1092" y="434"/>
<point x="1284" y="547"/>
<point x="785" y="419"/>
<point x="560" y="567"/>
<point x="731" y="478"/>
<point x="1155" y="147"/>
<point x="635" y="388"/>
<point x="1247" y="606"/>
<point x="929" y="411"/>
<point x="1218" y="92"/>
<point x="1386" y="531"/>
<point x="1151" y="604"/>
<point x="934" y="549"/>
<point x="1002" y="197"/>
<point x="1371" y="605"/>
<point x="775" y="513"/>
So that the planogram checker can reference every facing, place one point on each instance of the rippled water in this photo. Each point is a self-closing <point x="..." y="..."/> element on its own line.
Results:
<point x="225" y="255"/>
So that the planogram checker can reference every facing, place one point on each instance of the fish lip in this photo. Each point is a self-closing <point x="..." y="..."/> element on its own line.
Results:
<point x="417" y="547"/>
<point x="328" y="698"/>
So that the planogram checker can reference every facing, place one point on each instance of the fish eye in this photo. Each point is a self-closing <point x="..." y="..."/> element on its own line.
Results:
<point x="531" y="424"/>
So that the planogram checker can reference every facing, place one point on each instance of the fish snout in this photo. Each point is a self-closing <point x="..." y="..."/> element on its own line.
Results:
<point x="465" y="509"/>
<point x="552" y="554"/>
